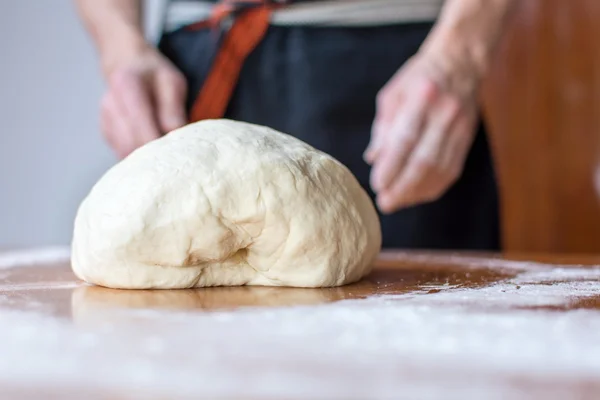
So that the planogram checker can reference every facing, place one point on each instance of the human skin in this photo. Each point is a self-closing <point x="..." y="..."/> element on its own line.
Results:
<point x="426" y="113"/>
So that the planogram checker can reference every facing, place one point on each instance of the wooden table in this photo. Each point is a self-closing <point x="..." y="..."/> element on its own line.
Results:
<point x="422" y="325"/>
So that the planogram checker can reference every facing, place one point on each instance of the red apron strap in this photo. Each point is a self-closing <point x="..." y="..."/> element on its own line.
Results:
<point x="248" y="29"/>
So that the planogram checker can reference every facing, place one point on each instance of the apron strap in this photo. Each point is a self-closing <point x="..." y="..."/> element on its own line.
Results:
<point x="249" y="27"/>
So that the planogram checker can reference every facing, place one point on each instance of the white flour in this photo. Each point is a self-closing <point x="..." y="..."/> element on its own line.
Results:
<point x="464" y="261"/>
<point x="414" y="346"/>
<point x="49" y="256"/>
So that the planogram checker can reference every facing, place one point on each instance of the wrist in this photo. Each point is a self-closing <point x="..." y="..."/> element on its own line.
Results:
<point x="468" y="33"/>
<point x="456" y="50"/>
<point x="453" y="67"/>
<point x="121" y="48"/>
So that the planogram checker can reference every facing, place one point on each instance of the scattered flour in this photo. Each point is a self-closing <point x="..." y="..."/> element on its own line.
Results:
<point x="464" y="261"/>
<point x="49" y="256"/>
<point x="452" y="344"/>
<point x="40" y="286"/>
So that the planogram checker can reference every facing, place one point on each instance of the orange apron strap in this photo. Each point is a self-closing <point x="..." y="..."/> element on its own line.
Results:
<point x="248" y="29"/>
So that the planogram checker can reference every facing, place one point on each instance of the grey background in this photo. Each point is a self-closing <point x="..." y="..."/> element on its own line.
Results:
<point x="51" y="150"/>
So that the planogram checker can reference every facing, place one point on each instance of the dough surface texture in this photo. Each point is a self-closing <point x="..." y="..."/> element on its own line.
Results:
<point x="225" y="203"/>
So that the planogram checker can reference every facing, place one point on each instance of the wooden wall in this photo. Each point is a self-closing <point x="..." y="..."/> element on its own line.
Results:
<point x="542" y="101"/>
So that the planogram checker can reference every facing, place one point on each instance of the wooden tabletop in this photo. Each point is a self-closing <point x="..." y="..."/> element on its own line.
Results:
<point x="422" y="325"/>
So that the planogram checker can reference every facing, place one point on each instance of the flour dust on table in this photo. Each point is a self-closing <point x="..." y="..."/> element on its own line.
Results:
<point x="531" y="335"/>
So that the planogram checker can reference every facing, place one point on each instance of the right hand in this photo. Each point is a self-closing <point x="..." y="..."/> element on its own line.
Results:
<point x="144" y="100"/>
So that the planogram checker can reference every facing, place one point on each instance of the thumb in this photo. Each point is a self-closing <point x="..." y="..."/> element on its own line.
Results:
<point x="170" y="91"/>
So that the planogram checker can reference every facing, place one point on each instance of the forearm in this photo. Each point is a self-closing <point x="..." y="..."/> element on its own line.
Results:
<point x="468" y="31"/>
<point x="115" y="27"/>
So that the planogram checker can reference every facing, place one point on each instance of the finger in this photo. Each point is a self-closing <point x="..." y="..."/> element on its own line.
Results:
<point x="433" y="148"/>
<point x="384" y="117"/>
<point x="373" y="149"/>
<point x="423" y="177"/>
<point x="400" y="139"/>
<point x="170" y="91"/>
<point x="114" y="127"/>
<point x="456" y="150"/>
<point x="107" y="125"/>
<point x="135" y="101"/>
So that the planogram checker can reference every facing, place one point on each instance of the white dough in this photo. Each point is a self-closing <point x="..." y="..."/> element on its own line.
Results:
<point x="224" y="203"/>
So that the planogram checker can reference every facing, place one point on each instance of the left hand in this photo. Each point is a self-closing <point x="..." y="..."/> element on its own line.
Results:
<point x="423" y="130"/>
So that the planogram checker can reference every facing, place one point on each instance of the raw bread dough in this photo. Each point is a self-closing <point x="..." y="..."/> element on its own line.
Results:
<point x="224" y="203"/>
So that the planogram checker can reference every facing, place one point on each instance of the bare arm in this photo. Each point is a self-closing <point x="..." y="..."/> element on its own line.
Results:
<point x="468" y="32"/>
<point x="145" y="92"/>
<point x="116" y="28"/>
<point x="426" y="114"/>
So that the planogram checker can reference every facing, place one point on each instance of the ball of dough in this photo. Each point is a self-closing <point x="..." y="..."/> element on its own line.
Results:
<point x="224" y="203"/>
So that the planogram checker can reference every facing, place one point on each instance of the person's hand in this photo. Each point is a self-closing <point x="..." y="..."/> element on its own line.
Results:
<point x="423" y="130"/>
<point x="144" y="100"/>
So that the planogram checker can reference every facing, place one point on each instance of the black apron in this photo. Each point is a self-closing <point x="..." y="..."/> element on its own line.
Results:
<point x="319" y="84"/>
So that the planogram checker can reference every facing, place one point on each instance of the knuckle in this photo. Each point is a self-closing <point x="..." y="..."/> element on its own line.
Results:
<point x="407" y="139"/>
<point x="427" y="89"/>
<point x="122" y="79"/>
<point x="426" y="162"/>
<point x="452" y="105"/>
